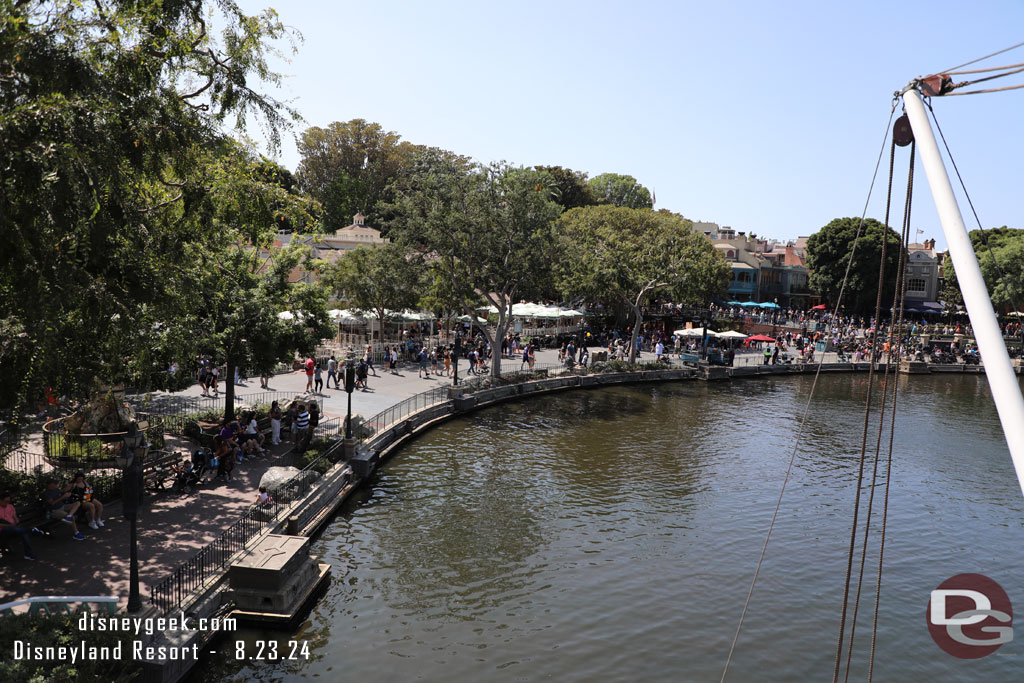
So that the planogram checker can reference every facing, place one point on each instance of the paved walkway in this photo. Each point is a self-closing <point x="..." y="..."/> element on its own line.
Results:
<point x="173" y="527"/>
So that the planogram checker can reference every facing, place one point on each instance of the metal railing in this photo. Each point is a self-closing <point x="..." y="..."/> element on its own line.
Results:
<point x="208" y="564"/>
<point x="389" y="417"/>
<point x="24" y="473"/>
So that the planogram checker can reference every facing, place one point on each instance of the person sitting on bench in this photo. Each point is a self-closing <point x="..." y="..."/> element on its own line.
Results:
<point x="58" y="504"/>
<point x="81" y="496"/>
<point x="9" y="525"/>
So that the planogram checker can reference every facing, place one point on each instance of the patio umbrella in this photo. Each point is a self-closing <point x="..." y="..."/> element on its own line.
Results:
<point x="768" y="304"/>
<point x="750" y="303"/>
<point x="760" y="338"/>
<point x="731" y="334"/>
<point x="819" y="307"/>
<point x="733" y="303"/>
<point x="693" y="332"/>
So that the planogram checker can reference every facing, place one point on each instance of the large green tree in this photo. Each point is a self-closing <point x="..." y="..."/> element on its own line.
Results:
<point x="569" y="188"/>
<point x="486" y="230"/>
<point x="620" y="190"/>
<point x="107" y="112"/>
<point x="348" y="167"/>
<point x="378" y="279"/>
<point x="232" y="306"/>
<point x="1000" y="253"/>
<point x="630" y="256"/>
<point x="828" y="253"/>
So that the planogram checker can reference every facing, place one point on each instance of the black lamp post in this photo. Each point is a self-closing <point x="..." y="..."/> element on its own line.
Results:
<point x="350" y="385"/>
<point x="455" y="356"/>
<point x="132" y="456"/>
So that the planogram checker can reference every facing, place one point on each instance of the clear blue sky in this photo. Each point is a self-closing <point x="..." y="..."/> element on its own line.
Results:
<point x="764" y="116"/>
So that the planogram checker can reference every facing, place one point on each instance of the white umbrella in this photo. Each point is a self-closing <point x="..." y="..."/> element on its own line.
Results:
<point x="286" y="315"/>
<point x="732" y="334"/>
<point x="693" y="332"/>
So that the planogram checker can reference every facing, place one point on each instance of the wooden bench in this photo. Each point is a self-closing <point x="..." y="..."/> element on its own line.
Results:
<point x="158" y="468"/>
<point x="38" y="516"/>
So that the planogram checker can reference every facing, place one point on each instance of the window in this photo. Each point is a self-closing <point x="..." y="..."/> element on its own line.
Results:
<point x="915" y="284"/>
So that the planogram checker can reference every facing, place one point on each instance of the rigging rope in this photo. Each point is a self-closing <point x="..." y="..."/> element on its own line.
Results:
<point x="867" y="419"/>
<point x="982" y="71"/>
<point x="984" y="234"/>
<point x="807" y="406"/>
<point x="897" y="302"/>
<point x="981" y="59"/>
<point x="900" y="296"/>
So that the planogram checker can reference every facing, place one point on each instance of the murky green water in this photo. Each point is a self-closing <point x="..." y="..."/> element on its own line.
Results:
<point x="611" y="535"/>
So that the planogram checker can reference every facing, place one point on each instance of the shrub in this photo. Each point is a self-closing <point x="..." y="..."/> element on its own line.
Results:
<point x="56" y="631"/>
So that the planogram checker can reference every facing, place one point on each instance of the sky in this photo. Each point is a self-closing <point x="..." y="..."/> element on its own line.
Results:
<point x="766" y="117"/>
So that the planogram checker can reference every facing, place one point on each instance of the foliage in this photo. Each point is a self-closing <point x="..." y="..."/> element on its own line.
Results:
<point x="486" y="230"/>
<point x="627" y="256"/>
<point x="569" y="188"/>
<point x="62" y="631"/>
<point x="1000" y="253"/>
<point x="107" y="113"/>
<point x="620" y="190"/>
<point x="348" y="167"/>
<point x="378" y="279"/>
<point x="231" y="306"/>
<point x="828" y="253"/>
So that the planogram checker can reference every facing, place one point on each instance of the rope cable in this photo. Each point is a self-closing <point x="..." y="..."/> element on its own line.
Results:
<point x="982" y="71"/>
<point x="867" y="420"/>
<point x="981" y="59"/>
<point x="807" y="406"/>
<point x="902" y="298"/>
<point x="900" y="276"/>
<point x="970" y="202"/>
<point x="986" y="90"/>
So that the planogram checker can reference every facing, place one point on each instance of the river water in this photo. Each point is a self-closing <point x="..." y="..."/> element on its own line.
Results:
<point x="612" y="534"/>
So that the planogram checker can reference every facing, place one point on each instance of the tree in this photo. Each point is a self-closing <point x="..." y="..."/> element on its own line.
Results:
<point x="486" y="230"/>
<point x="348" y="167"/>
<point x="629" y="256"/>
<point x="1000" y="253"/>
<point x="232" y="305"/>
<point x="379" y="279"/>
<point x="107" y="113"/>
<point x="620" y="190"/>
<point x="828" y="253"/>
<point x="569" y="188"/>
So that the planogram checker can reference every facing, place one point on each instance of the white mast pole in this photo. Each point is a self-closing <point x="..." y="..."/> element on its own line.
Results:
<point x="1001" y="378"/>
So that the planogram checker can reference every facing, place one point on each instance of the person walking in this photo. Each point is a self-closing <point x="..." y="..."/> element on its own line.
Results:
<point x="394" y="360"/>
<point x="332" y="372"/>
<point x="318" y="379"/>
<point x="214" y="376"/>
<point x="422" y="356"/>
<point x="368" y="357"/>
<point x="310" y="363"/>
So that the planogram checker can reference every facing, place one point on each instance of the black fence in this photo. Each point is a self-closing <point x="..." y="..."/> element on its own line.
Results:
<point x="209" y="563"/>
<point x="385" y="419"/>
<point x="24" y="475"/>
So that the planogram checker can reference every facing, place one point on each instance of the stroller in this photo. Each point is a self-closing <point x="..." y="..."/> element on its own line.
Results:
<point x="190" y="473"/>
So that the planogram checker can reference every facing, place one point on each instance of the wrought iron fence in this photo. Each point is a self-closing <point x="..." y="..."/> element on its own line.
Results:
<point x="208" y="564"/>
<point x="389" y="417"/>
<point x="24" y="474"/>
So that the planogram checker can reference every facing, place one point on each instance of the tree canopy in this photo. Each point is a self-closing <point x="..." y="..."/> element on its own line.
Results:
<point x="620" y="190"/>
<point x="629" y="256"/>
<point x="486" y="229"/>
<point x="1000" y="253"/>
<point x="377" y="279"/>
<point x="569" y="188"/>
<point x="108" y="111"/>
<point x="348" y="167"/>
<point x="828" y="252"/>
